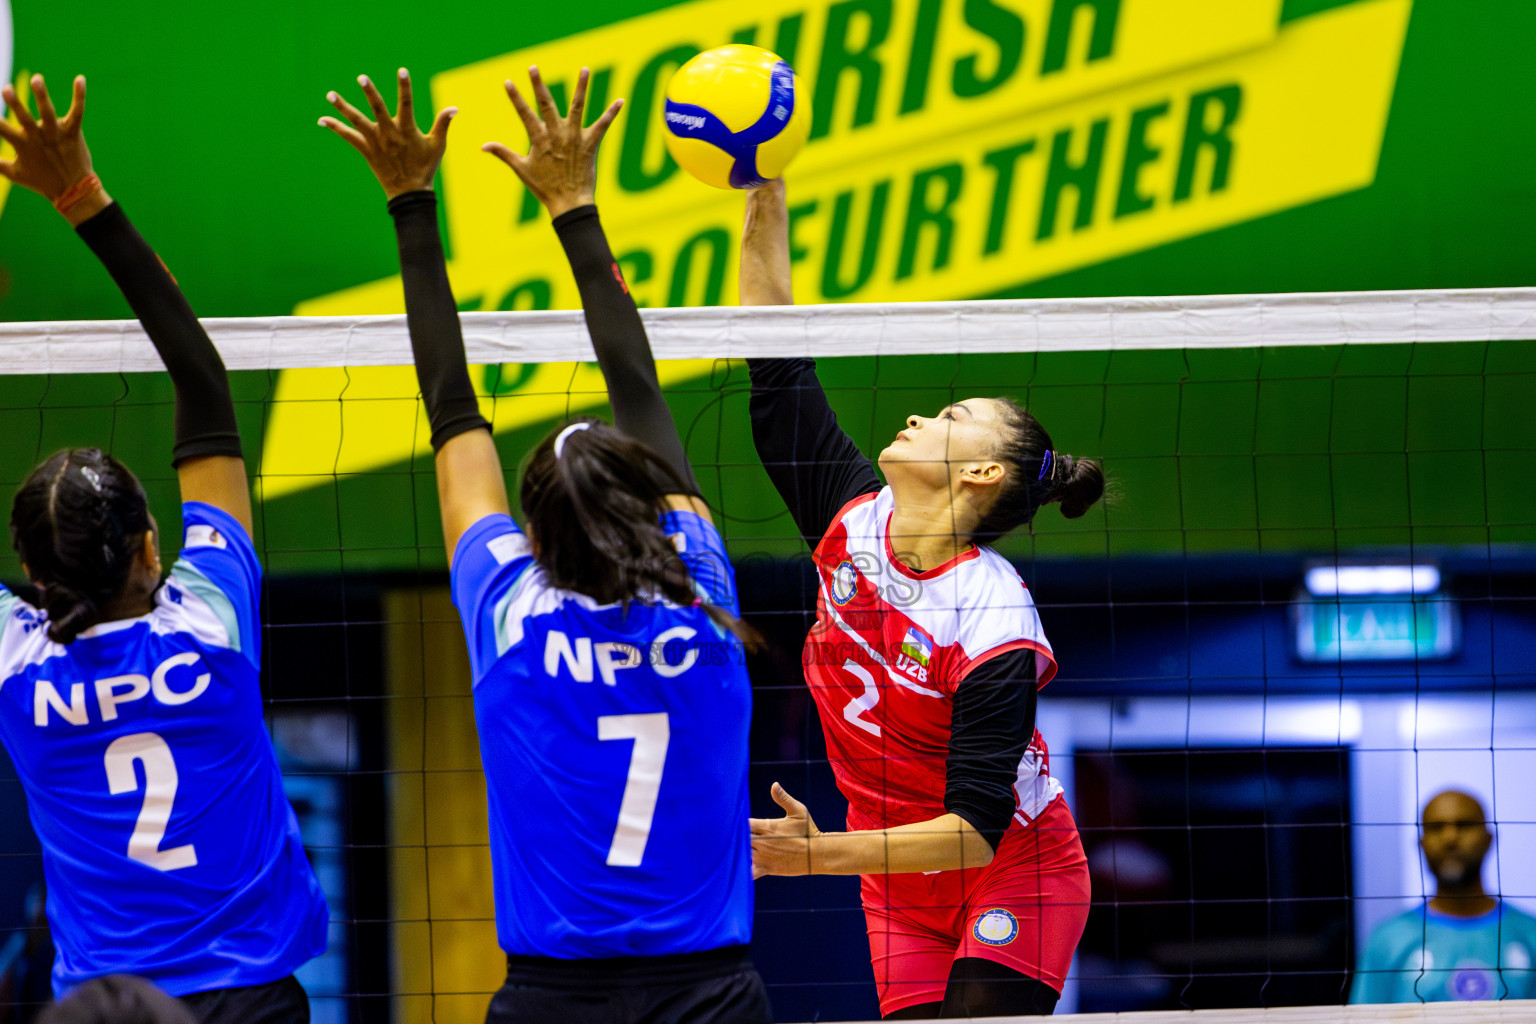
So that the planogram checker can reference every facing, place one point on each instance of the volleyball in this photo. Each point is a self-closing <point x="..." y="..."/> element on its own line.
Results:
<point x="734" y="116"/>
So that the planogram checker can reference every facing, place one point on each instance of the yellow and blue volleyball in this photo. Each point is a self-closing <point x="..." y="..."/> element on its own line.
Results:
<point x="735" y="117"/>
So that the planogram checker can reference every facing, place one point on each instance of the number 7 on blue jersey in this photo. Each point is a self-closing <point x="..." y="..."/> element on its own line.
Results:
<point x="651" y="733"/>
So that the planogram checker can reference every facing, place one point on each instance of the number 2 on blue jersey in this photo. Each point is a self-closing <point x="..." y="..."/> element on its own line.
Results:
<point x="651" y="733"/>
<point x="160" y="781"/>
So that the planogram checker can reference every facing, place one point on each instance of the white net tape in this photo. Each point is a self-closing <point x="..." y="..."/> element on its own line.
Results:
<point x="1040" y="325"/>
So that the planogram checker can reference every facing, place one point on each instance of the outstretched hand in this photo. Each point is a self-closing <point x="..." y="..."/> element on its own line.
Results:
<point x="51" y="156"/>
<point x="561" y="166"/>
<point x="782" y="846"/>
<point x="400" y="156"/>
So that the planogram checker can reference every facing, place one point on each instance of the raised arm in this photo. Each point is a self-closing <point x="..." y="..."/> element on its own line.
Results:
<point x="469" y="481"/>
<point x="52" y="159"/>
<point x="561" y="171"/>
<point x="814" y="464"/>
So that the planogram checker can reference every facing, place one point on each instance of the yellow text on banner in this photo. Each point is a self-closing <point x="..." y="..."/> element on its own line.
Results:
<point x="880" y="76"/>
<point x="887" y="79"/>
<point x="1070" y="186"/>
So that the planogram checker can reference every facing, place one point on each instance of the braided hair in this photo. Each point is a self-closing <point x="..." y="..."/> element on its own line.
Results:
<point x="1037" y="475"/>
<point x="592" y="495"/>
<point x="78" y="523"/>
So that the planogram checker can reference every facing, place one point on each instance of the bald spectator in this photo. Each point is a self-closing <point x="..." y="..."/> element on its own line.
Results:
<point x="1461" y="944"/>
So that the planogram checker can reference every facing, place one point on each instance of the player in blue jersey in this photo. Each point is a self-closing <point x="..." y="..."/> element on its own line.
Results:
<point x="610" y="692"/>
<point x="131" y="706"/>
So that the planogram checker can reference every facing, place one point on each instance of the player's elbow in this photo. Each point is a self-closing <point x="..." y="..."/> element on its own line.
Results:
<point x="979" y="852"/>
<point x="978" y="841"/>
<point x="976" y="850"/>
<point x="985" y="809"/>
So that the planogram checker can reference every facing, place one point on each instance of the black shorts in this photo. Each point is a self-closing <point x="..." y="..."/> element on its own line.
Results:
<point x="718" y="986"/>
<point x="277" y="1002"/>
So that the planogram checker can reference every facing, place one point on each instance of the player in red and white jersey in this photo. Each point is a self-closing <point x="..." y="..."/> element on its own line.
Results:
<point x="924" y="663"/>
<point x="910" y="638"/>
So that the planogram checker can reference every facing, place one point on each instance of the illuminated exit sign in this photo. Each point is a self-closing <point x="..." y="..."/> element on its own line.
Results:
<point x="1381" y="628"/>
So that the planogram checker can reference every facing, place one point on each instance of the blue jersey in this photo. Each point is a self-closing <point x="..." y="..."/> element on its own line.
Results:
<point x="169" y="848"/>
<point x="615" y="750"/>
<point x="1426" y="956"/>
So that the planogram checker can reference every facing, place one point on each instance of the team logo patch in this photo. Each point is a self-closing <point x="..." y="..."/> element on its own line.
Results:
<point x="917" y="646"/>
<point x="997" y="927"/>
<point x="845" y="583"/>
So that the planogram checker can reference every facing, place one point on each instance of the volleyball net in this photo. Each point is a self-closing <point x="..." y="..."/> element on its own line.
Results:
<point x="1308" y="606"/>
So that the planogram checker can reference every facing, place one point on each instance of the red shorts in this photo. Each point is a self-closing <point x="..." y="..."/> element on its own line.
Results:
<point x="1025" y="910"/>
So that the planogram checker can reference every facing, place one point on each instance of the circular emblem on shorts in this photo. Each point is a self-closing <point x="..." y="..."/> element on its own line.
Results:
<point x="996" y="927"/>
<point x="845" y="583"/>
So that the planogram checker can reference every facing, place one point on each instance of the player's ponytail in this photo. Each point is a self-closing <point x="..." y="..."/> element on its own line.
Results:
<point x="1036" y="475"/>
<point x="592" y="495"/>
<point x="1079" y="484"/>
<point x="78" y="523"/>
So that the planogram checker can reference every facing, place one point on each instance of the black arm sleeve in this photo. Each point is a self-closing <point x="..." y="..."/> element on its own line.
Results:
<point x="205" y="413"/>
<point x="814" y="464"/>
<point x="618" y="336"/>
<point x="993" y="723"/>
<point x="437" y="343"/>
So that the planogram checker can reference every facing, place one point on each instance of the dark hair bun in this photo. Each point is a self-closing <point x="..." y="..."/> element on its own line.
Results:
<point x="1079" y="484"/>
<point x="69" y="613"/>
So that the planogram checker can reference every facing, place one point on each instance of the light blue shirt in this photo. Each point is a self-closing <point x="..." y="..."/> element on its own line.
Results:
<point x="1426" y="956"/>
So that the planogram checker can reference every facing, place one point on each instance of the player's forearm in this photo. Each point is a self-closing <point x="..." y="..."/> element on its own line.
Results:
<point x="618" y="337"/>
<point x="205" y="412"/>
<point x="991" y="724"/>
<point x="944" y="843"/>
<point x="813" y="463"/>
<point x="437" y="343"/>
<point x="765" y="276"/>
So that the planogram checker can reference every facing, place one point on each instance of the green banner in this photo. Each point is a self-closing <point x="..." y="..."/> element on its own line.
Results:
<point x="202" y="122"/>
<point x="959" y="148"/>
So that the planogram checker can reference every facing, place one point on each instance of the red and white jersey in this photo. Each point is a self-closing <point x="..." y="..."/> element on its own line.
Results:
<point x="890" y="647"/>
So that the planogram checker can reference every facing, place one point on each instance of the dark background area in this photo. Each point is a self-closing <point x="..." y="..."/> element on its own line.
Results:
<point x="1221" y="877"/>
